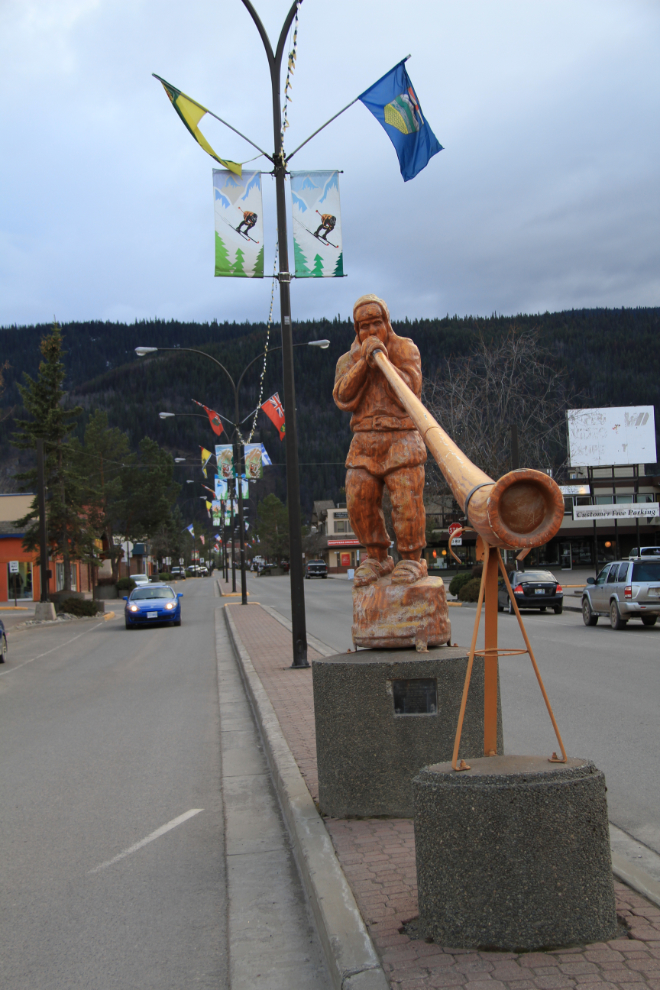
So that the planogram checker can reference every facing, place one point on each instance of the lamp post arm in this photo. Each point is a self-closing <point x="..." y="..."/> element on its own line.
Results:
<point x="259" y="357"/>
<point x="193" y="350"/>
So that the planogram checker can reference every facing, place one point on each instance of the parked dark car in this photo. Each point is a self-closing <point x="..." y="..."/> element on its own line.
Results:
<point x="3" y="642"/>
<point x="623" y="590"/>
<point x="316" y="568"/>
<point x="531" y="589"/>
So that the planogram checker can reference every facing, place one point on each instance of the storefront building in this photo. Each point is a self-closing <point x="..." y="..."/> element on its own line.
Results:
<point x="20" y="575"/>
<point x="338" y="545"/>
<point x="625" y="502"/>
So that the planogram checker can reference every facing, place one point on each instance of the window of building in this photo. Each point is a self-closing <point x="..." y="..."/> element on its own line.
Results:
<point x="59" y="577"/>
<point x="20" y="585"/>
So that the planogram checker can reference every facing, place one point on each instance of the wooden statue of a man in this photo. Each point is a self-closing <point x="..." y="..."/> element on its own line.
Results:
<point x="386" y="448"/>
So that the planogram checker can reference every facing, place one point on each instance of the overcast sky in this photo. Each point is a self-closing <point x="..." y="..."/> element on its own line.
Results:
<point x="545" y="198"/>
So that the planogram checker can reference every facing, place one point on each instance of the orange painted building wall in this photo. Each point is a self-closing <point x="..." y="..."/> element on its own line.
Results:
<point x="11" y="548"/>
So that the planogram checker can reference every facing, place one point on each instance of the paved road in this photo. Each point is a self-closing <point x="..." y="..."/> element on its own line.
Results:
<point x="106" y="736"/>
<point x="604" y="687"/>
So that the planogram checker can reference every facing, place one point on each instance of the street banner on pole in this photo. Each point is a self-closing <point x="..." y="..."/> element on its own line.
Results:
<point x="253" y="463"/>
<point x="275" y="412"/>
<point x="224" y="455"/>
<point x="393" y="102"/>
<point x="317" y="241"/>
<point x="220" y="486"/>
<point x="239" y="233"/>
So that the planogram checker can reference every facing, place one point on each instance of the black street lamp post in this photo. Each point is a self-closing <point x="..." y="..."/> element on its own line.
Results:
<point x="299" y="631"/>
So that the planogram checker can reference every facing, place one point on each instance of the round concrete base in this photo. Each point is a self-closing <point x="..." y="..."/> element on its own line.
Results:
<point x="514" y="853"/>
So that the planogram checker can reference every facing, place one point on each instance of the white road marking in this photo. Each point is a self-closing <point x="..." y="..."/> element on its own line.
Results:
<point x="12" y="669"/>
<point x="150" y="838"/>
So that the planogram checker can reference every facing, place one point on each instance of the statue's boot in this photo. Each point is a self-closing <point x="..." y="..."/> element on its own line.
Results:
<point x="371" y="569"/>
<point x="409" y="571"/>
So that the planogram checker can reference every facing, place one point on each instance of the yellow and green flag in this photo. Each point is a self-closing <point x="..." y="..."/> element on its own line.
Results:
<point x="206" y="457"/>
<point x="191" y="113"/>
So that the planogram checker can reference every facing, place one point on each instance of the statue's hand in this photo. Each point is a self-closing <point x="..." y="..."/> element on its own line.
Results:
<point x="370" y="345"/>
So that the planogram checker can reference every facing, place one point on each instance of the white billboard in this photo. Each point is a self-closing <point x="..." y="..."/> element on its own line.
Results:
<point x="611" y="435"/>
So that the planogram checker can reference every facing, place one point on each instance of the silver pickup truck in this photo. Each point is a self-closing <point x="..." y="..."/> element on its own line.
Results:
<point x="625" y="589"/>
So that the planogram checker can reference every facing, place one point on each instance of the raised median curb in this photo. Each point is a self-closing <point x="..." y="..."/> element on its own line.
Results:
<point x="351" y="957"/>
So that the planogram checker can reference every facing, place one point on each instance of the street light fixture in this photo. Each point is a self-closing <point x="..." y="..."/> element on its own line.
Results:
<point x="298" y="622"/>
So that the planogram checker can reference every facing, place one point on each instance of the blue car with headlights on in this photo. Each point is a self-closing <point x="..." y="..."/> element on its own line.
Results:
<point x="152" y="603"/>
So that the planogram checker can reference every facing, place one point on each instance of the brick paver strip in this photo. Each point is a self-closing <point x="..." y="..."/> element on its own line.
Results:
<point x="378" y="858"/>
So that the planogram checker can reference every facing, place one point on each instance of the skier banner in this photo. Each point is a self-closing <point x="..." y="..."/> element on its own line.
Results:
<point x="317" y="242"/>
<point x="239" y="233"/>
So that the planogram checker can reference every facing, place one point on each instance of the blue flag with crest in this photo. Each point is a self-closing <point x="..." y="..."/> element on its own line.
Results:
<point x="393" y="102"/>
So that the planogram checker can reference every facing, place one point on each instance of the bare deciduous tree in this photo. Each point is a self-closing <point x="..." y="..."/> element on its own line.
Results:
<point x="503" y="383"/>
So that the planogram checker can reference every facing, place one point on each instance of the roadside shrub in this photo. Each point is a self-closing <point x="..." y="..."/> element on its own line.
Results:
<point x="469" y="592"/>
<point x="126" y="584"/>
<point x="78" y="607"/>
<point x="458" y="581"/>
<point x="477" y="570"/>
<point x="165" y="577"/>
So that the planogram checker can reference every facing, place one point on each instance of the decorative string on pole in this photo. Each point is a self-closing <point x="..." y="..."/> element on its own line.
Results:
<point x="262" y="377"/>
<point x="290" y="69"/>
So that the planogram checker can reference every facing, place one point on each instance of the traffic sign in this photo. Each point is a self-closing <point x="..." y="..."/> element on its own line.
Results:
<point x="13" y="567"/>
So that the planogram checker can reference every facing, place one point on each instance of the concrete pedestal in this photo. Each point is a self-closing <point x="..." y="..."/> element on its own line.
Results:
<point x="44" y="610"/>
<point x="381" y="715"/>
<point x="401" y="615"/>
<point x="514" y="854"/>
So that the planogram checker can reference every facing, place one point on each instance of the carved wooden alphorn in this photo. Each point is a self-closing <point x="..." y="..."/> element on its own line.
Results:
<point x="525" y="508"/>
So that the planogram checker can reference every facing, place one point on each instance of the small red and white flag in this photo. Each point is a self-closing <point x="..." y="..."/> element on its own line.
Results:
<point x="275" y="412"/>
<point x="214" y="418"/>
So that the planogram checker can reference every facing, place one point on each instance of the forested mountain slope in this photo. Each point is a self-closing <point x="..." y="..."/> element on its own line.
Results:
<point x="612" y="357"/>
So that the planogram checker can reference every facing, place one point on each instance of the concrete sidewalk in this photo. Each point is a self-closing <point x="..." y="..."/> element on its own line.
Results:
<point x="377" y="858"/>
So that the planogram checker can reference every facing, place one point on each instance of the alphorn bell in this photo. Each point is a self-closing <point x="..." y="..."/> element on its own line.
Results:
<point x="525" y="508"/>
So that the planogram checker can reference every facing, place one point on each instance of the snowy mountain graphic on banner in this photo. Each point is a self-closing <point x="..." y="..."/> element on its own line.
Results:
<point x="317" y="241"/>
<point x="239" y="232"/>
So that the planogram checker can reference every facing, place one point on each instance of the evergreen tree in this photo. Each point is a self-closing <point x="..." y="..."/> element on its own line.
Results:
<point x="69" y="531"/>
<point x="317" y="270"/>
<point x="272" y="528"/>
<point x="149" y="493"/>
<point x="105" y="453"/>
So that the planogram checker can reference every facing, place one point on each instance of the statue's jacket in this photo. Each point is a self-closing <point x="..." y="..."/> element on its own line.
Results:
<point x="385" y="438"/>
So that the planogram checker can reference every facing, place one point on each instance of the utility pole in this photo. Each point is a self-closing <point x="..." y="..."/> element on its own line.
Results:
<point x="43" y="533"/>
<point x="299" y="630"/>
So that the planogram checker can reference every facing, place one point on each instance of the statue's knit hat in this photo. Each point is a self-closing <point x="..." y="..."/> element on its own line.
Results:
<point x="371" y="298"/>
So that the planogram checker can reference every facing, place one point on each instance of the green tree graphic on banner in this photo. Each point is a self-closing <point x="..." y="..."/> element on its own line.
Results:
<point x="222" y="266"/>
<point x="259" y="264"/>
<point x="300" y="260"/>
<point x="237" y="268"/>
<point x="317" y="270"/>
<point x="339" y="267"/>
